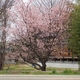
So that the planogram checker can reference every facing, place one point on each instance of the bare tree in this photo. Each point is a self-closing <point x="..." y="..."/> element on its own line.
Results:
<point x="4" y="5"/>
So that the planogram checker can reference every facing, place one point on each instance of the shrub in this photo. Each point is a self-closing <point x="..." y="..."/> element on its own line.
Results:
<point x="67" y="71"/>
<point x="53" y="71"/>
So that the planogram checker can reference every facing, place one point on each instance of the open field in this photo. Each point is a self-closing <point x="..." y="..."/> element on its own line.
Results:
<point x="22" y="69"/>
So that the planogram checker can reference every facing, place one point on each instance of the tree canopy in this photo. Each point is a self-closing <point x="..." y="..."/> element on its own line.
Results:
<point x="38" y="27"/>
<point x="75" y="30"/>
<point x="74" y="41"/>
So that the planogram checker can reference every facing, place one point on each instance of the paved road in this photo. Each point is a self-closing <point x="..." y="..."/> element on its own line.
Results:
<point x="65" y="64"/>
<point x="39" y="77"/>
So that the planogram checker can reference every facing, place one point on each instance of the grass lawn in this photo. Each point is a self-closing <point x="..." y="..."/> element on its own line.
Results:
<point x="24" y="69"/>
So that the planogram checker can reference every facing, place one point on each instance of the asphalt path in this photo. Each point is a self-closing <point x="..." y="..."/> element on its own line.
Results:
<point x="60" y="64"/>
<point x="39" y="77"/>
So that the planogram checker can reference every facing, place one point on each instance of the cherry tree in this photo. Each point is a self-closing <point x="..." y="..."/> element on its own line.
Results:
<point x="37" y="27"/>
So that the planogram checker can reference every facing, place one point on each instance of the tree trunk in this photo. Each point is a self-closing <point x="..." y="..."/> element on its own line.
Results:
<point x="2" y="58"/>
<point x="1" y="64"/>
<point x="2" y="55"/>
<point x="3" y="41"/>
<point x="79" y="62"/>
<point x="43" y="68"/>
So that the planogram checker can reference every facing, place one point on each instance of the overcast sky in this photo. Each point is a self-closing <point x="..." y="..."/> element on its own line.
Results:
<point x="25" y="0"/>
<point x="28" y="0"/>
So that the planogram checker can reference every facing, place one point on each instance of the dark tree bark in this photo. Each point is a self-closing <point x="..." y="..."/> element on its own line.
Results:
<point x="43" y="68"/>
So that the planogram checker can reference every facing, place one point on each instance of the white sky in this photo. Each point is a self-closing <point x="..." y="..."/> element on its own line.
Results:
<point x="28" y="0"/>
<point x="25" y="0"/>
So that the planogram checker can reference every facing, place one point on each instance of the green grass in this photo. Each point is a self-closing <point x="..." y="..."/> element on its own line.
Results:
<point x="24" y="69"/>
